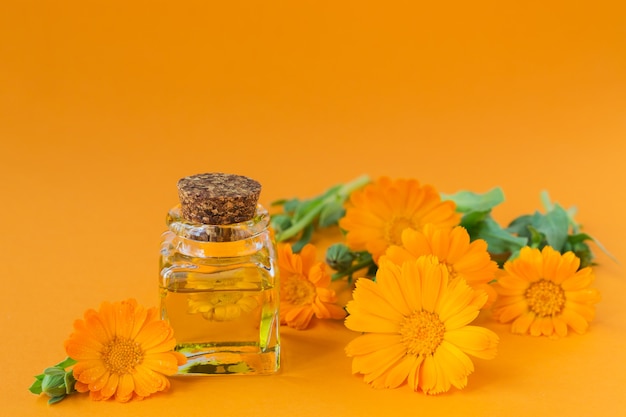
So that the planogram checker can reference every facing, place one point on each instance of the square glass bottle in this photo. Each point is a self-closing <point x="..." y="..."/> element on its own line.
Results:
<point x="218" y="278"/>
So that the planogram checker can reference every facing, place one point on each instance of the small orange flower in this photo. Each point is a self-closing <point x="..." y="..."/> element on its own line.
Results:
<point x="378" y="213"/>
<point x="304" y="288"/>
<point x="122" y="351"/>
<point x="544" y="293"/>
<point x="464" y="259"/>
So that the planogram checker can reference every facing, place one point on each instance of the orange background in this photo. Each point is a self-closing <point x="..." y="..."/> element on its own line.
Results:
<point x="104" y="105"/>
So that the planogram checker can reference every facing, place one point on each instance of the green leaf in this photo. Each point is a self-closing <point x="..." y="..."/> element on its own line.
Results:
<point x="290" y="206"/>
<point x="67" y="362"/>
<point x="304" y="208"/>
<point x="520" y="225"/>
<point x="306" y="213"/>
<point x="280" y="222"/>
<point x="555" y="226"/>
<point x="471" y="220"/>
<point x="468" y="201"/>
<point x="307" y="234"/>
<point x="536" y="238"/>
<point x="331" y="213"/>
<point x="280" y="202"/>
<point x="578" y="238"/>
<point x="498" y="239"/>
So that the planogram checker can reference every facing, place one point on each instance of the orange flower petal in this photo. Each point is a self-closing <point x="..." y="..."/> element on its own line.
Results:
<point x="580" y="280"/>
<point x="362" y="320"/>
<point x="371" y="342"/>
<point x="89" y="371"/>
<point x="455" y="364"/>
<point x="374" y="364"/>
<point x="389" y="289"/>
<point x="521" y="324"/>
<point x="125" y="388"/>
<point x="587" y="295"/>
<point x="368" y="294"/>
<point x="399" y="373"/>
<point x="147" y="382"/>
<point x="299" y="317"/>
<point x="163" y="363"/>
<point x="560" y="327"/>
<point x="473" y="340"/>
<point x="511" y="311"/>
<point x="110" y="386"/>
<point x="153" y="335"/>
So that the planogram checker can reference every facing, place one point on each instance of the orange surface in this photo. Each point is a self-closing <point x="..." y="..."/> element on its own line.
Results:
<point x="105" y="104"/>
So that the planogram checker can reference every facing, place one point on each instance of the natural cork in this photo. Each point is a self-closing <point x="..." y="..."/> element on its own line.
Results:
<point x="218" y="198"/>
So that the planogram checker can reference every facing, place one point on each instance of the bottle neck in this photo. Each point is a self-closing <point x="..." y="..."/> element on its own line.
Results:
<point x="217" y="233"/>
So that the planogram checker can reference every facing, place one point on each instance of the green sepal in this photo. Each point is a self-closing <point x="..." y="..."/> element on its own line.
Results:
<point x="35" y="388"/>
<point x="54" y="400"/>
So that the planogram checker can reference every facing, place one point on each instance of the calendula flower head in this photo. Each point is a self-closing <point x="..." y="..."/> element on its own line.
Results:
<point x="304" y="291"/>
<point x="416" y="327"/>
<point x="122" y="351"/>
<point x="378" y="213"/>
<point x="544" y="293"/>
<point x="452" y="247"/>
<point x="215" y="305"/>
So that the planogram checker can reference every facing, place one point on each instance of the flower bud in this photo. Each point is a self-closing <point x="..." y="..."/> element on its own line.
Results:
<point x="57" y="383"/>
<point x="339" y="257"/>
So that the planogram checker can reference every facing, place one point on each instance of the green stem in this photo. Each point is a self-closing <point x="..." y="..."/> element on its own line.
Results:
<point x="366" y="263"/>
<point x="341" y="194"/>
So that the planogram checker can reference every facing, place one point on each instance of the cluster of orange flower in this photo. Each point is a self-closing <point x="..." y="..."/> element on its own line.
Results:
<point x="414" y="317"/>
<point x="431" y="283"/>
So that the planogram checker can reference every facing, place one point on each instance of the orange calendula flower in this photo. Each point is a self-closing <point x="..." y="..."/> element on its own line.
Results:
<point x="544" y="293"/>
<point x="464" y="259"/>
<point x="378" y="213"/>
<point x="416" y="328"/>
<point x="123" y="351"/>
<point x="304" y="288"/>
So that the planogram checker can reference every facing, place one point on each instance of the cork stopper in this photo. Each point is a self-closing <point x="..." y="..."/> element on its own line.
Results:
<point x="218" y="198"/>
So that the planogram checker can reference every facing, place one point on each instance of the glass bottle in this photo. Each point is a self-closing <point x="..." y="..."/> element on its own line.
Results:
<point x="219" y="291"/>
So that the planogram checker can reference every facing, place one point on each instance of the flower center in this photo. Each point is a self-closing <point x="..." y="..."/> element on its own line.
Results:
<point x="299" y="291"/>
<point x="394" y="229"/>
<point x="121" y="356"/>
<point x="545" y="298"/>
<point x="422" y="332"/>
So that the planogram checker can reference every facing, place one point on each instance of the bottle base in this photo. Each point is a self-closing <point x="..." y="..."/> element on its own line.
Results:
<point x="229" y="360"/>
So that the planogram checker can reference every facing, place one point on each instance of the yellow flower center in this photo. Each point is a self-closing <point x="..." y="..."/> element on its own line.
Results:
<point x="422" y="332"/>
<point x="121" y="356"/>
<point x="545" y="298"/>
<point x="299" y="291"/>
<point x="394" y="229"/>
